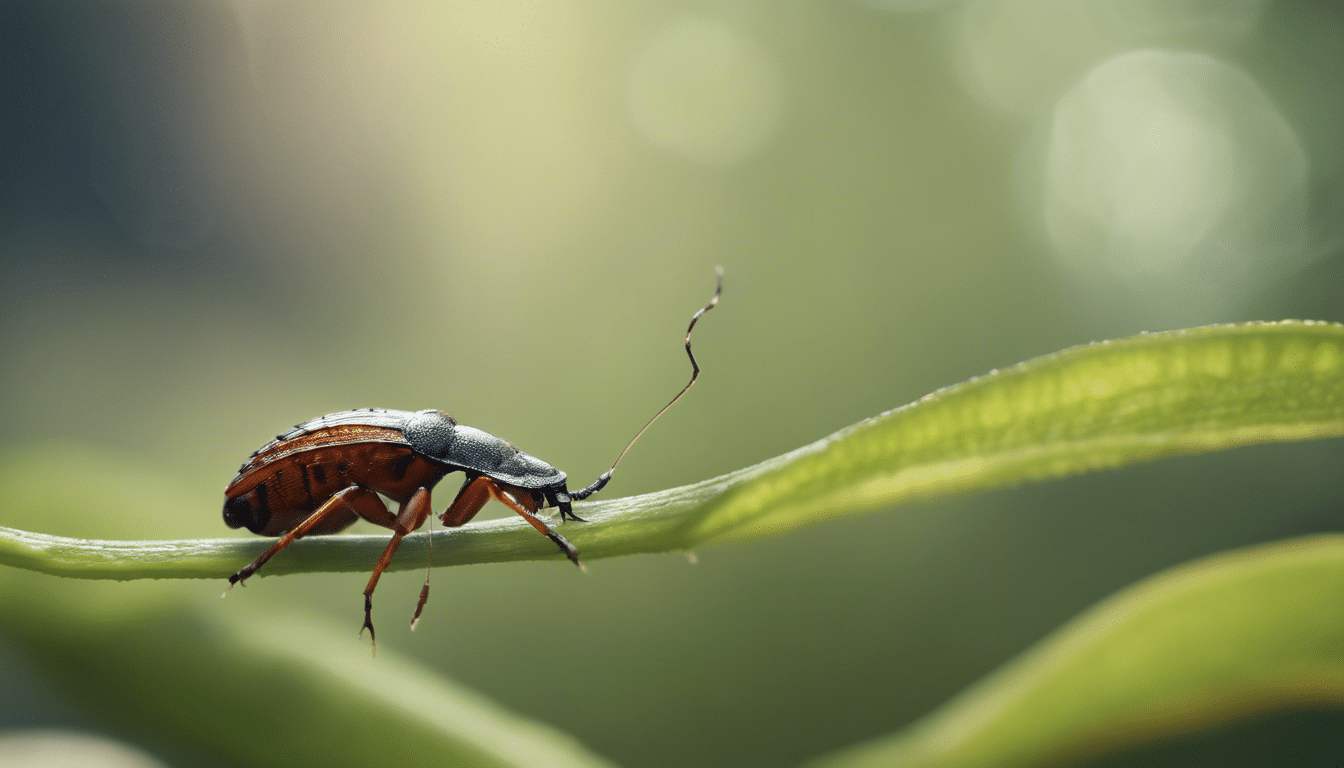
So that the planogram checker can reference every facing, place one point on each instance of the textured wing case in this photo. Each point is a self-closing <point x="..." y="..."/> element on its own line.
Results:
<point x="372" y="424"/>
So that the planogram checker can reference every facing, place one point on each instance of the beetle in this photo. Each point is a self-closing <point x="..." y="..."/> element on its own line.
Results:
<point x="323" y="475"/>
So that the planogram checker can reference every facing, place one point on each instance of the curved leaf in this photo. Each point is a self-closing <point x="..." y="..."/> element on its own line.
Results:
<point x="1099" y="405"/>
<point x="269" y="687"/>
<point x="1248" y="631"/>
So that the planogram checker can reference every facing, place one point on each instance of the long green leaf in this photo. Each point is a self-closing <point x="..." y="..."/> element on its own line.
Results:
<point x="266" y="687"/>
<point x="1237" y="633"/>
<point x="1099" y="405"/>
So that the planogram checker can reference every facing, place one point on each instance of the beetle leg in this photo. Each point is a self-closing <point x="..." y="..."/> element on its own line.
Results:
<point x="411" y="516"/>
<point x="424" y="591"/>
<point x="478" y="491"/>
<point x="469" y="500"/>
<point x="352" y="498"/>
<point x="562" y="500"/>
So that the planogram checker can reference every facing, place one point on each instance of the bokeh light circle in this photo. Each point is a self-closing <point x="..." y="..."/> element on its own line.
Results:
<point x="1161" y="164"/>
<point x="706" y="91"/>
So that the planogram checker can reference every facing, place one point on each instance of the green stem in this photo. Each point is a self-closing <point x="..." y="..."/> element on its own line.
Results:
<point x="1089" y="407"/>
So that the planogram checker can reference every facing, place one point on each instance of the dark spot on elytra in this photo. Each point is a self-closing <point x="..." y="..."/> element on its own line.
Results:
<point x="262" y="509"/>
<point x="307" y="487"/>
<point x="401" y="466"/>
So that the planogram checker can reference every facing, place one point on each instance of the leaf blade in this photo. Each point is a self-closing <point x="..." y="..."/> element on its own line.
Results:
<point x="262" y="686"/>
<point x="1221" y="637"/>
<point x="1089" y="407"/>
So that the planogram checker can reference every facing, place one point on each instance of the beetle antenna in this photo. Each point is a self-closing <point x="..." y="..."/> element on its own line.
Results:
<point x="605" y="477"/>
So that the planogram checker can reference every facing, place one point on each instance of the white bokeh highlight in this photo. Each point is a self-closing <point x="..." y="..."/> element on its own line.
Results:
<point x="703" y="90"/>
<point x="1172" y="171"/>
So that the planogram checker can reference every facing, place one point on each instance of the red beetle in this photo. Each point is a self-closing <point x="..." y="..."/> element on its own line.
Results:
<point x="323" y="475"/>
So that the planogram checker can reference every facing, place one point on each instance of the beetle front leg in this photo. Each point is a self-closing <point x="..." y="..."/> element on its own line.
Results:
<point x="478" y="491"/>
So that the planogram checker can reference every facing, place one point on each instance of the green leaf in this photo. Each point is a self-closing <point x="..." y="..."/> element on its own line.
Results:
<point x="1094" y="406"/>
<point x="268" y="687"/>
<point x="1233" y="634"/>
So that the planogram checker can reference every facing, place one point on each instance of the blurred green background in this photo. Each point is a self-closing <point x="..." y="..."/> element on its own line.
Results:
<point x="218" y="219"/>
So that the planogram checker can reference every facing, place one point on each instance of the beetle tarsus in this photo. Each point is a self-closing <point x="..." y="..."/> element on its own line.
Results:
<point x="368" y="622"/>
<point x="420" y="606"/>
<point x="571" y="551"/>
<point x="237" y="579"/>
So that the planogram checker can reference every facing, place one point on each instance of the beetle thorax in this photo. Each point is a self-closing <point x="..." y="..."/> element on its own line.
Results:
<point x="431" y="432"/>
<point x="478" y="450"/>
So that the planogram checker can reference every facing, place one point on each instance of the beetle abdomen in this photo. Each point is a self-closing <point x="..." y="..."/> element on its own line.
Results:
<point x="287" y="481"/>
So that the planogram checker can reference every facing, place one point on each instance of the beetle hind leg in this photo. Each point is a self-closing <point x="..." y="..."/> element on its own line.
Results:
<point x="334" y="513"/>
